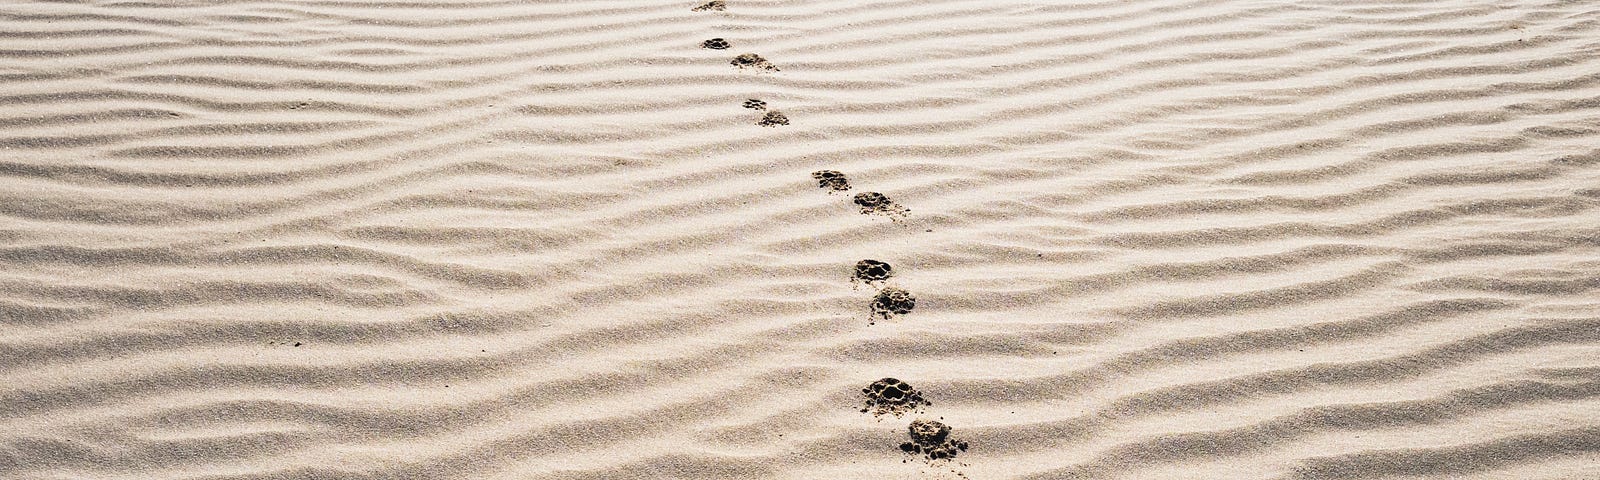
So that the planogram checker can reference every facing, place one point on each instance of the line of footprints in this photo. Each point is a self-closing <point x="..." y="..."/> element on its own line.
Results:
<point x="891" y="396"/>
<point x="929" y="439"/>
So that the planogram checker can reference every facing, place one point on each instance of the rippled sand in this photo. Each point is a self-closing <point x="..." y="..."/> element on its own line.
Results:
<point x="548" y="240"/>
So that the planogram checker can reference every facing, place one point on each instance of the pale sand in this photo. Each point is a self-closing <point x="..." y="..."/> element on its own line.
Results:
<point x="546" y="240"/>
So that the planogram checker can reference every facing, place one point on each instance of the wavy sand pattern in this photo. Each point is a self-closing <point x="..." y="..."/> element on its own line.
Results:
<point x="331" y="239"/>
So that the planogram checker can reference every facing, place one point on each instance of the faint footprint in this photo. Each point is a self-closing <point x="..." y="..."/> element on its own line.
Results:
<point x="931" y="439"/>
<point x="773" y="118"/>
<point x="715" y="44"/>
<point x="751" y="60"/>
<point x="892" y="301"/>
<point x="832" y="180"/>
<point x="717" y="5"/>
<point x="754" y="104"/>
<point x="877" y="203"/>
<point x="892" y="396"/>
<point x="870" y="271"/>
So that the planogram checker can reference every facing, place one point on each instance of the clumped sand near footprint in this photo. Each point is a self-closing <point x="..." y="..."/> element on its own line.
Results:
<point x="773" y="118"/>
<point x="892" y="302"/>
<point x="932" y="440"/>
<point x="874" y="203"/>
<point x="753" y="61"/>
<point x="712" y="6"/>
<point x="871" y="272"/>
<point x="891" y="396"/>
<point x="833" y="180"/>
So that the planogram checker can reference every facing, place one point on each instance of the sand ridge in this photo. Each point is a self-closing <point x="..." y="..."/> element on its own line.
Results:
<point x="496" y="239"/>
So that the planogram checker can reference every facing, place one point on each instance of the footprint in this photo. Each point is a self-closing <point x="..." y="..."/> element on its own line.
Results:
<point x="877" y="203"/>
<point x="892" y="301"/>
<point x="832" y="180"/>
<point x="869" y="271"/>
<point x="754" y="104"/>
<point x="773" y="118"/>
<point x="931" y="439"/>
<point x="716" y="5"/>
<point x="751" y="60"/>
<point x="892" y="396"/>
<point x="715" y="44"/>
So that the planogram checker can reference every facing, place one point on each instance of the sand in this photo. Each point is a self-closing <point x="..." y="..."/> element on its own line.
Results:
<point x="574" y="240"/>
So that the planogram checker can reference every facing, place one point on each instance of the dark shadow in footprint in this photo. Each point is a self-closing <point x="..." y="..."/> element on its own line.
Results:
<point x="877" y="203"/>
<point x="754" y="104"/>
<point x="715" y="44"/>
<point x="717" y="5"/>
<point x="892" y="301"/>
<point x="892" y="396"/>
<point x="773" y="118"/>
<point x="832" y="180"/>
<point x="751" y="60"/>
<point x="931" y="439"/>
<point x="871" y="271"/>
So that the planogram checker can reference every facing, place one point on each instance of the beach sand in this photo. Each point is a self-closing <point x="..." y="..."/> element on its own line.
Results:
<point x="331" y="239"/>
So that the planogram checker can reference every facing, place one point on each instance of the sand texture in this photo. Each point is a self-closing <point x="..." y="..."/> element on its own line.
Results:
<point x="626" y="239"/>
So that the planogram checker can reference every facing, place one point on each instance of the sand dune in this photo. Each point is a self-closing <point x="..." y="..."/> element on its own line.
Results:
<point x="582" y="240"/>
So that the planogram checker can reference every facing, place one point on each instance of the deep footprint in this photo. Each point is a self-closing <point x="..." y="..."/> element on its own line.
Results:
<point x="773" y="118"/>
<point x="877" y="203"/>
<point x="831" y="180"/>
<point x="715" y="44"/>
<point x="892" y="301"/>
<point x="716" y="5"/>
<point x="892" y="396"/>
<point x="931" y="439"/>
<point x="751" y="60"/>
<point x="869" y="271"/>
<point x="754" y="104"/>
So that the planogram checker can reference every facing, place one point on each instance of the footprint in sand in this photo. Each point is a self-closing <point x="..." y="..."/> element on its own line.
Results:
<point x="715" y="44"/>
<point x="892" y="396"/>
<point x="876" y="203"/>
<point x="773" y="118"/>
<point x="751" y="60"/>
<point x="754" y="104"/>
<point x="931" y="439"/>
<point x="871" y="272"/>
<point x="833" y="180"/>
<point x="892" y="301"/>
<point x="713" y="5"/>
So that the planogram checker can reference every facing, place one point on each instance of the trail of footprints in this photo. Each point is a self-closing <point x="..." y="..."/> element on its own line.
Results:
<point x="929" y="439"/>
